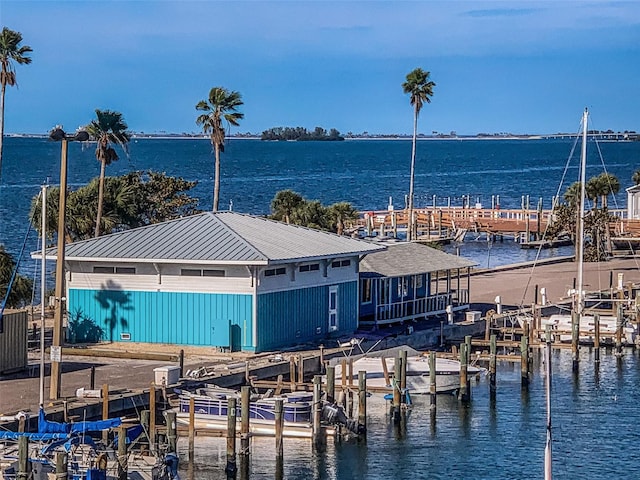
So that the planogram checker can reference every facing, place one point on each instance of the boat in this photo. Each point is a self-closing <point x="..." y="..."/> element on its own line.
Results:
<point x="561" y="329"/>
<point x="563" y="323"/>
<point x="86" y="459"/>
<point x="379" y="367"/>
<point x="211" y="410"/>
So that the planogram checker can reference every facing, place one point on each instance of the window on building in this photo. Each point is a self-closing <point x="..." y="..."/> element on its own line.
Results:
<point x="120" y="270"/>
<point x="419" y="281"/>
<point x="197" y="272"/>
<point x="213" y="273"/>
<point x="403" y="286"/>
<point x="126" y="270"/>
<point x="340" y="263"/>
<point x="383" y="285"/>
<point x="190" y="272"/>
<point x="270" y="272"/>
<point x="365" y="290"/>
<point x="313" y="267"/>
<point x="103" y="270"/>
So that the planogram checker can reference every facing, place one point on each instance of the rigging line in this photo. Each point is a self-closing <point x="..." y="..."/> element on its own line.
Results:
<point x="15" y="270"/>
<point x="556" y="202"/>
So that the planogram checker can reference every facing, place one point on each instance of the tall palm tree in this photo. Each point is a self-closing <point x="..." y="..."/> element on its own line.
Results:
<point x="107" y="129"/>
<point x="420" y="88"/>
<point x="635" y="178"/>
<point x="10" y="51"/>
<point x="222" y="104"/>
<point x="609" y="185"/>
<point x="285" y="203"/>
<point x="342" y="214"/>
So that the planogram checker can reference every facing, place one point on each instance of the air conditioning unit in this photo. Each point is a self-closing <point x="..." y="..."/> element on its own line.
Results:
<point x="333" y="328"/>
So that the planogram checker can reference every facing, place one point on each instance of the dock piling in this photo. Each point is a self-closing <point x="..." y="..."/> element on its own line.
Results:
<point x="432" y="381"/>
<point x="395" y="410"/>
<point x="62" y="467"/>
<point x="524" y="358"/>
<point x="596" y="338"/>
<point x="23" y="458"/>
<point x="279" y="424"/>
<point x="123" y="467"/>
<point x="493" y="350"/>
<point x="231" y="467"/>
<point x="362" y="401"/>
<point x="463" y="394"/>
<point x="105" y="411"/>
<point x="619" y="327"/>
<point x="152" y="417"/>
<point x="192" y="427"/>
<point x="172" y="436"/>
<point x="244" y="419"/>
<point x="317" y="402"/>
<point x="575" y="334"/>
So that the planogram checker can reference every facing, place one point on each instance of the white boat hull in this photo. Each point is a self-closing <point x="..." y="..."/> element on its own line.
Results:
<point x="418" y="377"/>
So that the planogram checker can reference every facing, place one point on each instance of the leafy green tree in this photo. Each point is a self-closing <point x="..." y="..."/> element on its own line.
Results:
<point x="284" y="204"/>
<point x="132" y="200"/>
<point x="635" y="178"/>
<point x="341" y="214"/>
<point x="420" y="89"/>
<point x="22" y="287"/>
<point x="10" y="51"/>
<point x="222" y="104"/>
<point x="108" y="129"/>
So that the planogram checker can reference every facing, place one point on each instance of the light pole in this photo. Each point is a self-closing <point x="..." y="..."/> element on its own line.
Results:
<point x="59" y="135"/>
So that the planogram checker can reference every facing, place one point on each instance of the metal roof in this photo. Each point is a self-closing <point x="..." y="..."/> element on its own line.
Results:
<point x="216" y="237"/>
<point x="411" y="259"/>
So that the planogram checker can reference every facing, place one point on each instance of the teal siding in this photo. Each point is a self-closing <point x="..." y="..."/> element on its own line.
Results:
<point x="294" y="316"/>
<point x="168" y="317"/>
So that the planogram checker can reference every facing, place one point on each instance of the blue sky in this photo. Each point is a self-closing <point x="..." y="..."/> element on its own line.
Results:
<point x="502" y="66"/>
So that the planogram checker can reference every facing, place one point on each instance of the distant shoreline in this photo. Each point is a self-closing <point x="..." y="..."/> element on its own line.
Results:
<point x="613" y="137"/>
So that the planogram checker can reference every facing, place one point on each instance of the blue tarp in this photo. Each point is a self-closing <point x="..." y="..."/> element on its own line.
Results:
<point x="39" y="437"/>
<point x="46" y="426"/>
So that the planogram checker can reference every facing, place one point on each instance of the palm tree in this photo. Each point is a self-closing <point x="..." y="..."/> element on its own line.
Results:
<point x="342" y="214"/>
<point x="221" y="104"/>
<point x="285" y="203"/>
<point x="107" y="129"/>
<point x="609" y="185"/>
<point x="635" y="178"/>
<point x="420" y="88"/>
<point x="10" y="51"/>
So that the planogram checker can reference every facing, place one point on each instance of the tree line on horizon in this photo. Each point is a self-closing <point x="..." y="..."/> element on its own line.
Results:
<point x="301" y="134"/>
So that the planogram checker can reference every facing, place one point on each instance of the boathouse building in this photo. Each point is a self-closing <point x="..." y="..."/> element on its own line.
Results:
<point x="219" y="279"/>
<point x="410" y="281"/>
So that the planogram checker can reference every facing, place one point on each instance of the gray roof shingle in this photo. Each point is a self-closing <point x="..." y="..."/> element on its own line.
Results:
<point x="217" y="237"/>
<point x="411" y="259"/>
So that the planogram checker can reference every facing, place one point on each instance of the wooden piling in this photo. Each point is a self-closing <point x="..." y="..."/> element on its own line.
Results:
<point x="105" y="411"/>
<point x="343" y="380"/>
<point x="92" y="378"/>
<point x="22" y="423"/>
<point x="279" y="419"/>
<point x="467" y="341"/>
<point x="62" y="467"/>
<point x="619" y="326"/>
<point x="181" y="362"/>
<point x="231" y="467"/>
<point x="317" y="411"/>
<point x="192" y="428"/>
<point x="432" y="379"/>
<point x="403" y="374"/>
<point x="493" y="355"/>
<point x="292" y="373"/>
<point x="123" y="467"/>
<point x="575" y="334"/>
<point x="245" y="400"/>
<point x="152" y="416"/>
<point x="524" y="358"/>
<point x="362" y="400"/>
<point x="300" y="369"/>
<point x="331" y="383"/>
<point x="463" y="395"/>
<point x="351" y="372"/>
<point x="23" y="458"/>
<point x="396" y="389"/>
<point x="596" y="338"/>
<point x="172" y="436"/>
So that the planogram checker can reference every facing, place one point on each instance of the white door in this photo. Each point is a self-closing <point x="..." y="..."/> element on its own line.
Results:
<point x="333" y="308"/>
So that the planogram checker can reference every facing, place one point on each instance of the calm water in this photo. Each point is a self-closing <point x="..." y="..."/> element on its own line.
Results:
<point x="594" y="434"/>
<point x="365" y="173"/>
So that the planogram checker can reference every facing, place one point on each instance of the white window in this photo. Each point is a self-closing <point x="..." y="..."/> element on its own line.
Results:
<point x="333" y="308"/>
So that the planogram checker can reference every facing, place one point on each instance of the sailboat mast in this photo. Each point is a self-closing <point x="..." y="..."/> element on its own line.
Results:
<point x="43" y="263"/>
<point x="583" y="175"/>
